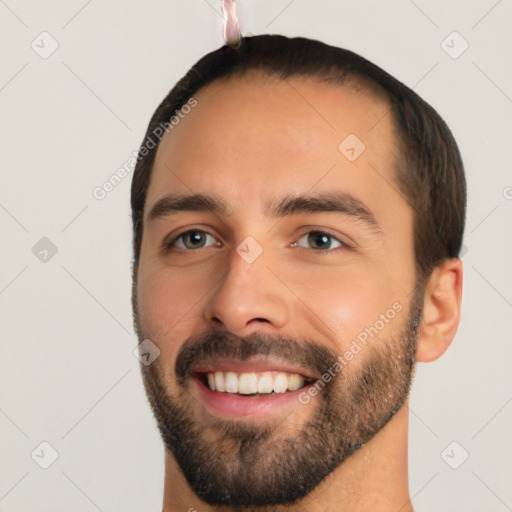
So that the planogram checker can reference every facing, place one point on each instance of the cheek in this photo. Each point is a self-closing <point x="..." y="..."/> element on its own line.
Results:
<point x="349" y="301"/>
<point x="168" y="302"/>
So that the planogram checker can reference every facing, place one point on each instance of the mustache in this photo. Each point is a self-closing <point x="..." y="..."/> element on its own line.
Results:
<point x="221" y="344"/>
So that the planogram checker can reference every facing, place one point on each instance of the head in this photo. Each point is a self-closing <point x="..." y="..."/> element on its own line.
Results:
<point x="302" y="214"/>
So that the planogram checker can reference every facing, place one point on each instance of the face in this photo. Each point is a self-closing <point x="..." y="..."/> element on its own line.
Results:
<point x="281" y="294"/>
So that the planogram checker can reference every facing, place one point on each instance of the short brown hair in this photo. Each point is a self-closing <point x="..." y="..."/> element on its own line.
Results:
<point x="430" y="173"/>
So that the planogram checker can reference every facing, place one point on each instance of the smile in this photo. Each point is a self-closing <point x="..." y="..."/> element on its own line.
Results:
<point x="236" y="388"/>
<point x="263" y="383"/>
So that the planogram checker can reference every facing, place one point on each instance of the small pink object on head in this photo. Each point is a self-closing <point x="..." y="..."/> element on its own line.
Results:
<point x="231" y="26"/>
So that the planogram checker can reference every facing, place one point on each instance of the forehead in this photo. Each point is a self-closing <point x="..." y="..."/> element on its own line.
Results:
<point x="250" y="137"/>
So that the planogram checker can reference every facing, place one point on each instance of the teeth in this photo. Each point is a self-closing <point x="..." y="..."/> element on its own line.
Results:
<point x="231" y="379"/>
<point x="211" y="380"/>
<point x="265" y="383"/>
<point x="295" y="381"/>
<point x="251" y="383"/>
<point x="280" y="383"/>
<point x="219" y="381"/>
<point x="247" y="383"/>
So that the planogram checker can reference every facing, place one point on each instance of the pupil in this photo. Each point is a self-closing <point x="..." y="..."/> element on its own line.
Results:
<point x="318" y="239"/>
<point x="195" y="237"/>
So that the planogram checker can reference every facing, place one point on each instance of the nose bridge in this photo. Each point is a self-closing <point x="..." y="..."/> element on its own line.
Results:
<point x="248" y="292"/>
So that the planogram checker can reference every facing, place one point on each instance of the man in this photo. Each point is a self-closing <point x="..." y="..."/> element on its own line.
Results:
<point x="298" y="215"/>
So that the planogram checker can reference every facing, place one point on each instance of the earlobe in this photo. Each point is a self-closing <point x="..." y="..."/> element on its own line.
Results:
<point x="441" y="310"/>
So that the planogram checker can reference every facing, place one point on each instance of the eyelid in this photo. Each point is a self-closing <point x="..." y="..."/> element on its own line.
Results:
<point x="172" y="238"/>
<point x="344" y="239"/>
<point x="343" y="246"/>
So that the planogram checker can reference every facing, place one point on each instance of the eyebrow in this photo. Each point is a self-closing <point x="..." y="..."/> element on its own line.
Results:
<point x="337" y="202"/>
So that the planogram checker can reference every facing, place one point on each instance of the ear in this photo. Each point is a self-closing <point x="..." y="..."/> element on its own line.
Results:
<point x="441" y="310"/>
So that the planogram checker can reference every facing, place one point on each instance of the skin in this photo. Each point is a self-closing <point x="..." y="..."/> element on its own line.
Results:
<point x="251" y="139"/>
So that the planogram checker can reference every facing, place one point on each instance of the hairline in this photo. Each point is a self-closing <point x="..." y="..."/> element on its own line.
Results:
<point x="354" y="82"/>
<point x="353" y="79"/>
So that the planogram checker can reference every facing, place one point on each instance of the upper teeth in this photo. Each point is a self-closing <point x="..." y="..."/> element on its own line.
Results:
<point x="249" y="383"/>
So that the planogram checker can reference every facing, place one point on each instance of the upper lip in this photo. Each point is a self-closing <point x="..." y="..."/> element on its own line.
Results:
<point x="259" y="364"/>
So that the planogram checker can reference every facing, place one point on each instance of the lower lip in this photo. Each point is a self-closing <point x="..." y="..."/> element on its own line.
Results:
<point x="231" y="404"/>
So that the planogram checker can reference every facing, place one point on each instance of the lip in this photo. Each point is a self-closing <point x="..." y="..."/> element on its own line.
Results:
<point x="257" y="364"/>
<point x="234" y="405"/>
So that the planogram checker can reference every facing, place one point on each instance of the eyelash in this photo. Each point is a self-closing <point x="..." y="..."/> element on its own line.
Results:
<point x="167" y="245"/>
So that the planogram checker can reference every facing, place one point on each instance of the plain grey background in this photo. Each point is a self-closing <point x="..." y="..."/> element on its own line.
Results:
<point x="70" y="119"/>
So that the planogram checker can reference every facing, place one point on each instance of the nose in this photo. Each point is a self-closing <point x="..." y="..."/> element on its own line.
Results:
<point x="249" y="298"/>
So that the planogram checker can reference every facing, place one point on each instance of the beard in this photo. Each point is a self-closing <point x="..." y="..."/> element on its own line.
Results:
<point x="242" y="464"/>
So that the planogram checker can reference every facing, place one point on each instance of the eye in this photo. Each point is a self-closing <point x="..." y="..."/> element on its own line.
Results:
<point x="192" y="239"/>
<point x="320" y="241"/>
<point x="198" y="239"/>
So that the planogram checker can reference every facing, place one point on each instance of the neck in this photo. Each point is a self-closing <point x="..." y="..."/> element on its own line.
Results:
<point x="374" y="478"/>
